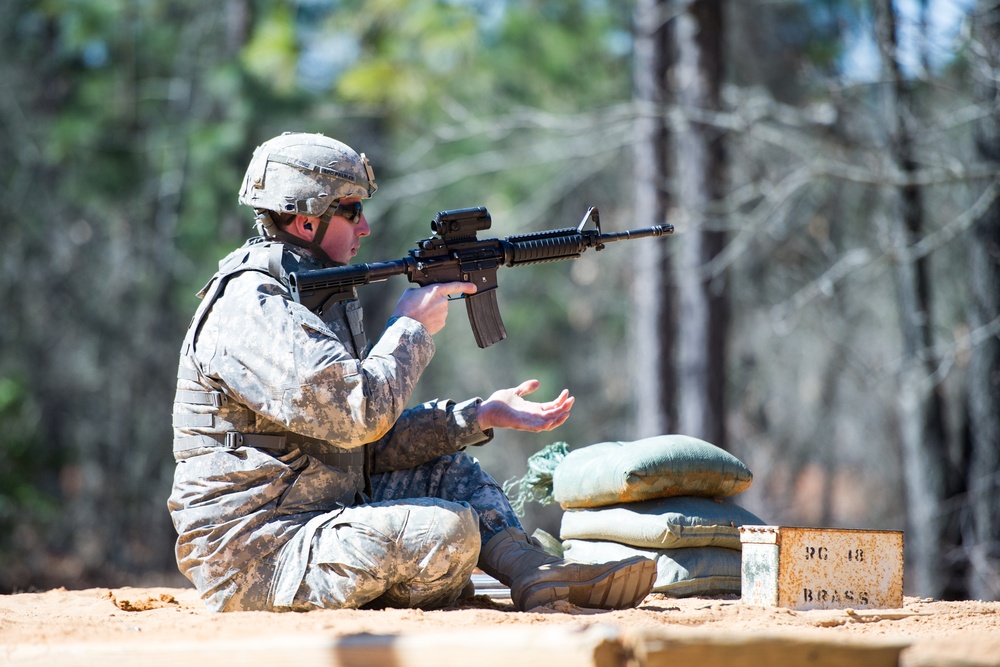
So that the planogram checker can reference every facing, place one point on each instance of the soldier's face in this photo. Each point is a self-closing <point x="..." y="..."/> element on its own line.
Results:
<point x="343" y="237"/>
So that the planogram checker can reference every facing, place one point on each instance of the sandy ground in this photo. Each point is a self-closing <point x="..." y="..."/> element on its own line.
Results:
<point x="960" y="633"/>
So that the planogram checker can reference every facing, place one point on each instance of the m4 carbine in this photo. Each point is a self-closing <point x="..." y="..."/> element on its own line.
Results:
<point x="455" y="254"/>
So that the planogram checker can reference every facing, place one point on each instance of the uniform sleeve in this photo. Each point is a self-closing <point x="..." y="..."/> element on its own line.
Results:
<point x="284" y="363"/>
<point x="428" y="431"/>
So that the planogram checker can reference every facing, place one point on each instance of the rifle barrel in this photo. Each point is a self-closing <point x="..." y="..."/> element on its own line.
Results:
<point x="656" y="230"/>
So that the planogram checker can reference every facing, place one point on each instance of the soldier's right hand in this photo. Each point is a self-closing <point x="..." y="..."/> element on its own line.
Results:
<point x="429" y="305"/>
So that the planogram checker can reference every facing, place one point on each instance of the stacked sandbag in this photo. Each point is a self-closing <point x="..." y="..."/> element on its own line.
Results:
<point x="662" y="498"/>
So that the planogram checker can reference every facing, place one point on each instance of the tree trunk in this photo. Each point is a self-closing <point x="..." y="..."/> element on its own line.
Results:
<point x="921" y="415"/>
<point x="701" y="181"/>
<point x="653" y="291"/>
<point x="984" y="367"/>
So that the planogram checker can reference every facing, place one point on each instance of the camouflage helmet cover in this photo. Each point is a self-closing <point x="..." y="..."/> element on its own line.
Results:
<point x="304" y="174"/>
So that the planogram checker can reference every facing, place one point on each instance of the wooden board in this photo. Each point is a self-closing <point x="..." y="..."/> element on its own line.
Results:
<point x="704" y="648"/>
<point x="596" y="646"/>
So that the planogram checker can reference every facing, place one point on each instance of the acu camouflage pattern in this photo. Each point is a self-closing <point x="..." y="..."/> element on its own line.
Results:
<point x="301" y="479"/>
<point x="304" y="174"/>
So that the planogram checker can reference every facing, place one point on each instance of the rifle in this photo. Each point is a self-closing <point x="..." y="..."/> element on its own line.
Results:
<point x="455" y="254"/>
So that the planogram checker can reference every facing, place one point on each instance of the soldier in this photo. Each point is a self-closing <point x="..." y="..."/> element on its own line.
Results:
<point x="302" y="481"/>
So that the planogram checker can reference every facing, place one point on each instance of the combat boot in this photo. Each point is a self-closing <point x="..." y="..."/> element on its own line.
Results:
<point x="536" y="577"/>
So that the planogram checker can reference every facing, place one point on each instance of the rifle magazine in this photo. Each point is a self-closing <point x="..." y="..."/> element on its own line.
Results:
<point x="484" y="317"/>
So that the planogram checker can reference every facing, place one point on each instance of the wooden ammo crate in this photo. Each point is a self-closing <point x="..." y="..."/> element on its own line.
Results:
<point x="822" y="568"/>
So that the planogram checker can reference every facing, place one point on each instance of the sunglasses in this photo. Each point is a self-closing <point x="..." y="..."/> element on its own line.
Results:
<point x="351" y="211"/>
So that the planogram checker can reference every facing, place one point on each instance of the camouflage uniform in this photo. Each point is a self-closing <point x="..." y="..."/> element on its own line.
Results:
<point x="301" y="480"/>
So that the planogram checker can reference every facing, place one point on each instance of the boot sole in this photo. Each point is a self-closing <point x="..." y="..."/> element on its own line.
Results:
<point x="622" y="586"/>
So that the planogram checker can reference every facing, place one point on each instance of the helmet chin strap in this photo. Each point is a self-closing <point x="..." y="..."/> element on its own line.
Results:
<point x="314" y="245"/>
<point x="267" y="228"/>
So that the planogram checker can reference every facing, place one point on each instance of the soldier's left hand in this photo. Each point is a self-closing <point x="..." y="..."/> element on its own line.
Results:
<point x="507" y="408"/>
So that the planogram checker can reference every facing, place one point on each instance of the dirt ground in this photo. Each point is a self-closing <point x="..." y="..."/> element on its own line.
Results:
<point x="935" y="632"/>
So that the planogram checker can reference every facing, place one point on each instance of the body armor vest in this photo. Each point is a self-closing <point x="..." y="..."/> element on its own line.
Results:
<point x="207" y="418"/>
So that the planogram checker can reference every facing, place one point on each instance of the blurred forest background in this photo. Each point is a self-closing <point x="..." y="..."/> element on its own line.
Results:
<point x="828" y="309"/>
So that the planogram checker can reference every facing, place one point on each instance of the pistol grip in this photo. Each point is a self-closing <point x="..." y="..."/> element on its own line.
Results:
<point x="484" y="317"/>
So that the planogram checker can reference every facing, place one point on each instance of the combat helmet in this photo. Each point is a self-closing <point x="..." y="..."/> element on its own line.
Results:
<point x="305" y="174"/>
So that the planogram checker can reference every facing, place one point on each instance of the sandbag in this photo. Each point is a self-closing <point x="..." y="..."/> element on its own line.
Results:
<point x="608" y="473"/>
<point x="705" y="571"/>
<point x="663" y="523"/>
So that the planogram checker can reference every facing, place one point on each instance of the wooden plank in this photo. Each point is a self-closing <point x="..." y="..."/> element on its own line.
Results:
<point x="567" y="646"/>
<point x="570" y="646"/>
<point x="703" y="647"/>
<point x="596" y="646"/>
<point x="975" y="648"/>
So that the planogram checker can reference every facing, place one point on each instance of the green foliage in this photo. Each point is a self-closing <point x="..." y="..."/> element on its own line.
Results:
<point x="410" y="53"/>
<point x="24" y="463"/>
<point x="272" y="51"/>
<point x="559" y="55"/>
